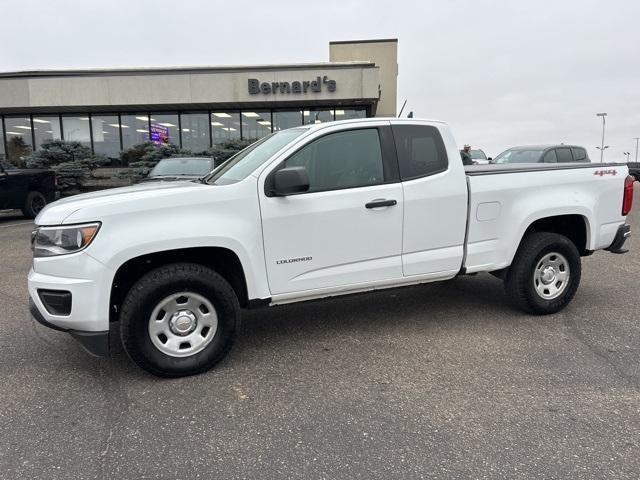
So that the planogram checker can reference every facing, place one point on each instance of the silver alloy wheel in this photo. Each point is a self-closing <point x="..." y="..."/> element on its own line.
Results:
<point x="551" y="276"/>
<point x="183" y="324"/>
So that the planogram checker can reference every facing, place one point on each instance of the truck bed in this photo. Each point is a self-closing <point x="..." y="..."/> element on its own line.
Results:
<point x="505" y="199"/>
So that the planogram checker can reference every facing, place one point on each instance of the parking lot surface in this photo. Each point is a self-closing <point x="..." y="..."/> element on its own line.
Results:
<point x="434" y="381"/>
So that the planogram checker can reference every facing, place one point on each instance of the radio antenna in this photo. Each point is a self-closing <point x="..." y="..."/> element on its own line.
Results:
<point x="403" y="105"/>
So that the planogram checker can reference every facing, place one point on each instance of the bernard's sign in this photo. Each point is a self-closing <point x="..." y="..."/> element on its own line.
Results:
<point x="315" y="86"/>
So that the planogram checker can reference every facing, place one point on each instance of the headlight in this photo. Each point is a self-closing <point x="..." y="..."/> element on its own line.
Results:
<point x="51" y="241"/>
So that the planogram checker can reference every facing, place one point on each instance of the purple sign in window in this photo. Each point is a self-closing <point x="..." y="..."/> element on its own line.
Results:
<point x="159" y="134"/>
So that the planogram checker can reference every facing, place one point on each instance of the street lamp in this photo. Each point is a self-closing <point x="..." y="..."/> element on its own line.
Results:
<point x="602" y="147"/>
<point x="627" y="154"/>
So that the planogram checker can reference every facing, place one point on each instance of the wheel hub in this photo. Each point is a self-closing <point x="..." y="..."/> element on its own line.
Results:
<point x="551" y="275"/>
<point x="548" y="275"/>
<point x="183" y="322"/>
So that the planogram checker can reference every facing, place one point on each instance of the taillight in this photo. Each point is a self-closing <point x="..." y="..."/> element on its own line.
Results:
<point x="627" y="198"/>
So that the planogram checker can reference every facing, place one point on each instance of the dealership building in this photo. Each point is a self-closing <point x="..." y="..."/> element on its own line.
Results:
<point x="110" y="110"/>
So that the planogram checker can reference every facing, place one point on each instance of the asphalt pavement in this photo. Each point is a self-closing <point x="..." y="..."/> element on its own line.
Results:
<point x="441" y="380"/>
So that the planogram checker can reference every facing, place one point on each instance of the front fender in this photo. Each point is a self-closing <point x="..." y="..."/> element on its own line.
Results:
<point x="206" y="220"/>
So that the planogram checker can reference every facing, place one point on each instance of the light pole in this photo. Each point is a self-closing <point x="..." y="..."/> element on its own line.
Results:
<point x="602" y="145"/>
<point x="627" y="154"/>
<point x="636" y="139"/>
<point x="602" y="149"/>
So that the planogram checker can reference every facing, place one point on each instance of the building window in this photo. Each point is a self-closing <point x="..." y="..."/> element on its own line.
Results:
<point x="320" y="115"/>
<point x="106" y="135"/>
<point x="46" y="128"/>
<point x="195" y="131"/>
<point x="283" y="120"/>
<point x="19" y="140"/>
<point x="76" y="129"/>
<point x="347" y="114"/>
<point x="135" y="129"/>
<point x="225" y="126"/>
<point x="164" y="128"/>
<point x="256" y="124"/>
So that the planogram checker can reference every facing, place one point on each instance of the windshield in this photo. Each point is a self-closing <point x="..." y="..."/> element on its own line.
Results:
<point x="245" y="162"/>
<point x="478" y="155"/>
<point x="182" y="166"/>
<point x="519" y="156"/>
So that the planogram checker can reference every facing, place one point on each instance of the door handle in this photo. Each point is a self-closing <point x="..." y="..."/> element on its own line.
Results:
<point x="381" y="203"/>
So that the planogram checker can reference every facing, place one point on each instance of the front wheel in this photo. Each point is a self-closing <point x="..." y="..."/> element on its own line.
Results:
<point x="180" y="319"/>
<point x="545" y="273"/>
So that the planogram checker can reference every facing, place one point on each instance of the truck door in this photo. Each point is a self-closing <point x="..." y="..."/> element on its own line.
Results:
<point x="435" y="202"/>
<point x="347" y="228"/>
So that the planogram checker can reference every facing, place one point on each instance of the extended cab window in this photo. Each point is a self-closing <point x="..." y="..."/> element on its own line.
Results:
<point x="564" y="155"/>
<point x="579" y="154"/>
<point x="420" y="150"/>
<point x="342" y="160"/>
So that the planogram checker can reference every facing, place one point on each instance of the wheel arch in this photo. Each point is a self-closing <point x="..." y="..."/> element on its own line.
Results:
<point x="223" y="260"/>
<point x="574" y="226"/>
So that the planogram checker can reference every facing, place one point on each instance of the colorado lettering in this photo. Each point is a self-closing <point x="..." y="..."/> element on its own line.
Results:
<point x="294" y="260"/>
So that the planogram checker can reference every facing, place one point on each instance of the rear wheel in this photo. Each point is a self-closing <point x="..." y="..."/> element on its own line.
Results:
<point x="180" y="319"/>
<point x="545" y="273"/>
<point x="34" y="202"/>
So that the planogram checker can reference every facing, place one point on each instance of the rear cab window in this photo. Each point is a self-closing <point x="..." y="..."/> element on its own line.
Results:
<point x="579" y="154"/>
<point x="564" y="155"/>
<point x="420" y="149"/>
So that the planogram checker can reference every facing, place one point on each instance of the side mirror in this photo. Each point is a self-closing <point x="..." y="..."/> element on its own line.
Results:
<point x="290" y="180"/>
<point x="490" y="159"/>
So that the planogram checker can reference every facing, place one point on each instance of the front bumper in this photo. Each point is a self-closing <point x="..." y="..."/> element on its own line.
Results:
<point x="96" y="343"/>
<point x="88" y="282"/>
<point x="624" y="232"/>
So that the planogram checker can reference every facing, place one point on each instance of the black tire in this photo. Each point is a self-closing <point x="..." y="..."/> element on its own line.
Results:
<point x="164" y="281"/>
<point x="520" y="284"/>
<point x="34" y="202"/>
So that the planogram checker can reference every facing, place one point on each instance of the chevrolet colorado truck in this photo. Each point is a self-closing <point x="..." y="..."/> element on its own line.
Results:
<point x="311" y="212"/>
<point x="28" y="190"/>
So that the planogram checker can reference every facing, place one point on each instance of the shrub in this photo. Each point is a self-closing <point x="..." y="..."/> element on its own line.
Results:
<point x="72" y="162"/>
<point x="17" y="150"/>
<point x="142" y="157"/>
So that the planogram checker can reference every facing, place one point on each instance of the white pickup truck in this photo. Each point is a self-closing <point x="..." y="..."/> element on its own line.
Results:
<point x="306" y="213"/>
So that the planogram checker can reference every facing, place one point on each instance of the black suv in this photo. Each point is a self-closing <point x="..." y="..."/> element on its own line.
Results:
<point x="28" y="190"/>
<point x="543" y="154"/>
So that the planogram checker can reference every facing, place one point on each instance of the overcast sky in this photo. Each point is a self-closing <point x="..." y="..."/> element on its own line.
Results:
<point x="502" y="73"/>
